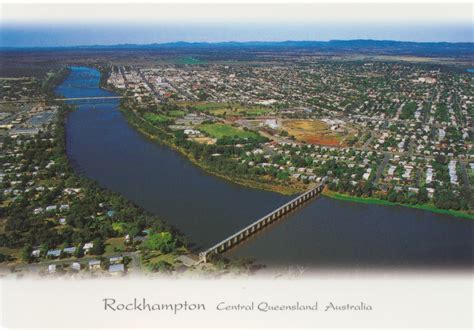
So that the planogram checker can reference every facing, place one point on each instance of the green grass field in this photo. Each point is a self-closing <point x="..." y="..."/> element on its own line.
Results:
<point x="257" y="111"/>
<point x="177" y="113"/>
<point x="220" y="130"/>
<point x="155" y="118"/>
<point x="114" y="244"/>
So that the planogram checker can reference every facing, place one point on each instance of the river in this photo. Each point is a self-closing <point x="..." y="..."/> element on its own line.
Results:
<point x="326" y="234"/>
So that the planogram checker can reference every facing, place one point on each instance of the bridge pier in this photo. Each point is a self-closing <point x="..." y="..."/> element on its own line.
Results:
<point x="262" y="222"/>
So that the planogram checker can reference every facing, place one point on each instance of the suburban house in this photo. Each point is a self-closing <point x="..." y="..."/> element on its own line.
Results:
<point x="94" y="264"/>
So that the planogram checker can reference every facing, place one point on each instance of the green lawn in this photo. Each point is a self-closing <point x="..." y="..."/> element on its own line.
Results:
<point x="158" y="256"/>
<point x="154" y="257"/>
<point x="114" y="244"/>
<point x="207" y="106"/>
<point x="220" y="130"/>
<point x="237" y="110"/>
<point x="156" y="118"/>
<point x="177" y="113"/>
<point x="255" y="111"/>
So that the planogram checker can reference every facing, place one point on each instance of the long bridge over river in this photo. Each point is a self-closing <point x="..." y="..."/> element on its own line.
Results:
<point x="261" y="223"/>
<point x="89" y="98"/>
<point x="67" y="99"/>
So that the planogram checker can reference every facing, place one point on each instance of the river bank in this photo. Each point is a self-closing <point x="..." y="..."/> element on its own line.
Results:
<point x="377" y="201"/>
<point x="141" y="125"/>
<point x="328" y="233"/>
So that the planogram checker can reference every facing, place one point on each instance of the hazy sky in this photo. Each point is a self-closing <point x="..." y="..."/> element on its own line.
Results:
<point x="25" y="25"/>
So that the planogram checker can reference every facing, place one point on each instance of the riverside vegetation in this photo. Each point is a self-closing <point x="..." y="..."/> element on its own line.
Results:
<point x="220" y="159"/>
<point x="47" y="206"/>
<point x="381" y="130"/>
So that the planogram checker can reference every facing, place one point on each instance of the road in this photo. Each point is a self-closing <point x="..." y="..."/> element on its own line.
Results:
<point x="37" y="266"/>
<point x="426" y="114"/>
<point x="365" y="147"/>
<point x="150" y="86"/>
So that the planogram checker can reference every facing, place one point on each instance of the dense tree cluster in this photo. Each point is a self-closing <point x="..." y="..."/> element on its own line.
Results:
<point x="93" y="212"/>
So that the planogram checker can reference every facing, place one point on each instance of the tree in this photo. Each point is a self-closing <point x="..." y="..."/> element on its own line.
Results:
<point x="5" y="257"/>
<point x="164" y="242"/>
<point x="104" y="263"/>
<point x="26" y="253"/>
<point x="161" y="267"/>
<point x="79" y="252"/>
<point x="43" y="249"/>
<point x="98" y="248"/>
<point x="423" y="195"/>
<point x="392" y="196"/>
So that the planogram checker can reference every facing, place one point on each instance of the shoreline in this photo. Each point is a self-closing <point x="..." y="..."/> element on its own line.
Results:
<point x="377" y="201"/>
<point x="286" y="190"/>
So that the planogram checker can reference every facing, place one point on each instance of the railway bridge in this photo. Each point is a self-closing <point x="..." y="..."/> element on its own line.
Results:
<point x="66" y="99"/>
<point x="89" y="98"/>
<point x="261" y="223"/>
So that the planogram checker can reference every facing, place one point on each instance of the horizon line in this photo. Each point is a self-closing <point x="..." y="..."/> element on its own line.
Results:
<point x="234" y="42"/>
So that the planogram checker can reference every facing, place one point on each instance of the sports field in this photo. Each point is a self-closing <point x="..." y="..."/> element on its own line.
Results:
<point x="218" y="130"/>
<point x="312" y="131"/>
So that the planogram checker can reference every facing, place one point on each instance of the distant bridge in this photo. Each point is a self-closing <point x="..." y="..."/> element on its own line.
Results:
<point x="65" y="99"/>
<point x="89" y="98"/>
<point x="261" y="223"/>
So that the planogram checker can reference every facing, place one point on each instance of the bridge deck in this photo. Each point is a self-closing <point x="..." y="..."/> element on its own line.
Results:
<point x="247" y="231"/>
<point x="67" y="99"/>
<point x="89" y="98"/>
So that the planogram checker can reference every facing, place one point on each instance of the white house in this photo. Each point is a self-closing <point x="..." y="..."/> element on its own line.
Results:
<point x="88" y="246"/>
<point x="94" y="264"/>
<point x="52" y="269"/>
<point x="117" y="269"/>
<point x="53" y="253"/>
<point x="70" y="250"/>
<point x="76" y="266"/>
